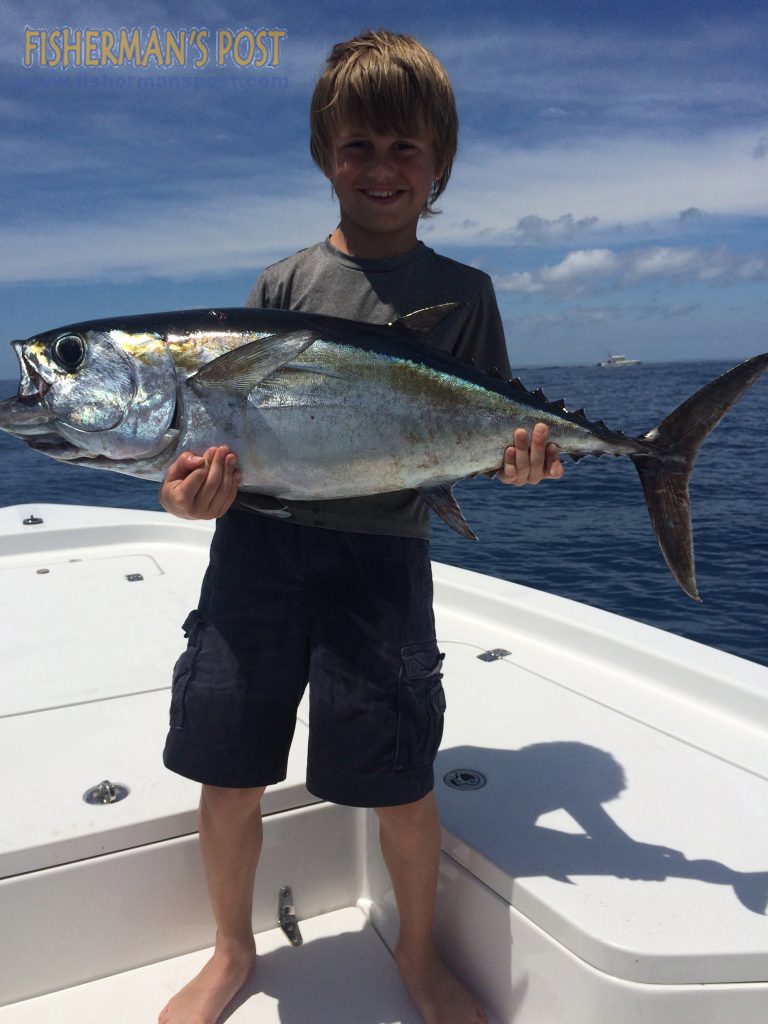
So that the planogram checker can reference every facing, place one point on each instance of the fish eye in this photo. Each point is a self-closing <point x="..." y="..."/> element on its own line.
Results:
<point x="69" y="351"/>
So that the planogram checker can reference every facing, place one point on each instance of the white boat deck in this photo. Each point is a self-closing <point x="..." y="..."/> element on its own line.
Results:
<point x="614" y="867"/>
<point x="335" y="945"/>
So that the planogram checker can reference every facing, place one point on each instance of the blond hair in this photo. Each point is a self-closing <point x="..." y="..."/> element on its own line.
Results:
<point x="391" y="84"/>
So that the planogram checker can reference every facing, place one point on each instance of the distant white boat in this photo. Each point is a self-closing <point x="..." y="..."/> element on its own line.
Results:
<point x="615" y="360"/>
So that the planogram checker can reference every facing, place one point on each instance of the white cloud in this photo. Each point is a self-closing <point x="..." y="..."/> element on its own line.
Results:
<point x="535" y="230"/>
<point x="177" y="240"/>
<point x="588" y="271"/>
<point x="590" y="318"/>
<point x="662" y="262"/>
<point x="581" y="265"/>
<point x="625" y="180"/>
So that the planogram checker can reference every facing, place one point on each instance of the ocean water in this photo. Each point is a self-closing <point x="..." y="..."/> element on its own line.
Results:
<point x="587" y="536"/>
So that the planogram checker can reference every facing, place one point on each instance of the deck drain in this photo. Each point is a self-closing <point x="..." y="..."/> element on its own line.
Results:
<point x="464" y="778"/>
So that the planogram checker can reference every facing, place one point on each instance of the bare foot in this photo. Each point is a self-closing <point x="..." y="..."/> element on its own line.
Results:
<point x="203" y="999"/>
<point x="438" y="994"/>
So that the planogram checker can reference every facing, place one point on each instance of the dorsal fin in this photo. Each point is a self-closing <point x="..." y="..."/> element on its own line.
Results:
<point x="423" y="320"/>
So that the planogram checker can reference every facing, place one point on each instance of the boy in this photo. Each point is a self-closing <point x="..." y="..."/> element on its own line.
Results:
<point x="358" y="619"/>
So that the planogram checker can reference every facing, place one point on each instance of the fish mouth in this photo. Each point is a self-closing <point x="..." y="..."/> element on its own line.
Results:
<point x="25" y="418"/>
<point x="24" y="415"/>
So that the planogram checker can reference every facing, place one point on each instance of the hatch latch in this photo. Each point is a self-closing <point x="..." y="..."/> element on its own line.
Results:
<point x="286" y="917"/>
<point x="494" y="655"/>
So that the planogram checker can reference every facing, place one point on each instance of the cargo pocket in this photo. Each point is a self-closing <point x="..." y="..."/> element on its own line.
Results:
<point x="184" y="669"/>
<point x="421" y="706"/>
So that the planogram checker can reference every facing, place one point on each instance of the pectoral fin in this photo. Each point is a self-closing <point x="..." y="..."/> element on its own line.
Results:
<point x="441" y="500"/>
<point x="245" y="367"/>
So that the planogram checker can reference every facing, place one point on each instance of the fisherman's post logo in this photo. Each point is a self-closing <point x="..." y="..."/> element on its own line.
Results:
<point x="64" y="48"/>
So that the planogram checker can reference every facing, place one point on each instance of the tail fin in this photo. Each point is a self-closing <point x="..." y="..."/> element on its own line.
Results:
<point x="666" y="468"/>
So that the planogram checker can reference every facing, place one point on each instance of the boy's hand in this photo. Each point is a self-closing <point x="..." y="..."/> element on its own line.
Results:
<point x="529" y="465"/>
<point x="201" y="486"/>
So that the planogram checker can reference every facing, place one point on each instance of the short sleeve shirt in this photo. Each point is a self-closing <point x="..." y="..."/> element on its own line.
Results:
<point x="323" y="280"/>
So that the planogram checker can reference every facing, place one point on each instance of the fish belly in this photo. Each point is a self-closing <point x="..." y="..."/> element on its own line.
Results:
<point x="305" y="455"/>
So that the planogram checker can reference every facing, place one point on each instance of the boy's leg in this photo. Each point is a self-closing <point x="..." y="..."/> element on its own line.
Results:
<point x="230" y="840"/>
<point x="410" y="844"/>
<point x="233" y="711"/>
<point x="376" y="718"/>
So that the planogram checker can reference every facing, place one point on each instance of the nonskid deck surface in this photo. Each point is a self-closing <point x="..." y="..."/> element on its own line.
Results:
<point x="342" y="974"/>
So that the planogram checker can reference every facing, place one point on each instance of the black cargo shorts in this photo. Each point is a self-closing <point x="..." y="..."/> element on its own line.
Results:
<point x="283" y="604"/>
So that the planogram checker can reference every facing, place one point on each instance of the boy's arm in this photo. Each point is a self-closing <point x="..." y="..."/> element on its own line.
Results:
<point x="201" y="487"/>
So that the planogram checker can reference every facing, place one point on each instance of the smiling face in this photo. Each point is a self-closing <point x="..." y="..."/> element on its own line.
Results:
<point x="383" y="183"/>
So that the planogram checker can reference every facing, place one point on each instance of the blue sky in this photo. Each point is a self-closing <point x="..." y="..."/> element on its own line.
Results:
<point x="612" y="174"/>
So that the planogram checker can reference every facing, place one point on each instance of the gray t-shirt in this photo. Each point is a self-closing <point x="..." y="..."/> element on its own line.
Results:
<point x="323" y="280"/>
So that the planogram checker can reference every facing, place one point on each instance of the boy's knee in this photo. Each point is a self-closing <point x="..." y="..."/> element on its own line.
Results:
<point x="412" y="815"/>
<point x="220" y="799"/>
